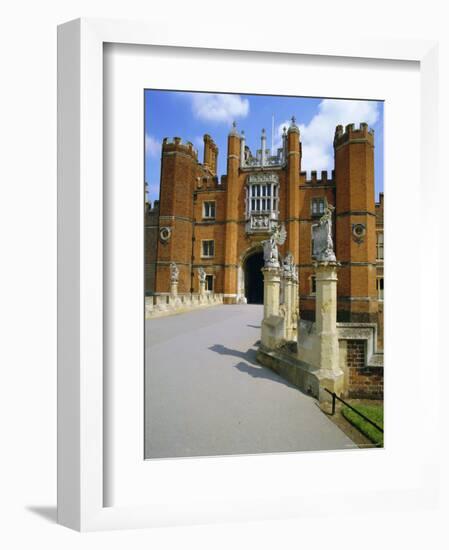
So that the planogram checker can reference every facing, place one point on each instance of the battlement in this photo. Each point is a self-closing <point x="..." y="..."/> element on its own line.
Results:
<point x="151" y="212"/>
<point x="351" y="133"/>
<point x="379" y="206"/>
<point x="176" y="144"/>
<point x="314" y="180"/>
<point x="207" y="139"/>
<point x="152" y="207"/>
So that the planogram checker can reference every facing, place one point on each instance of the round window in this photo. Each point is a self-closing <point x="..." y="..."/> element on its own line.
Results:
<point x="359" y="230"/>
<point x="165" y="234"/>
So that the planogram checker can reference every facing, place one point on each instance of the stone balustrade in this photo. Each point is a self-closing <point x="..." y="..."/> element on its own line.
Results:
<point x="163" y="304"/>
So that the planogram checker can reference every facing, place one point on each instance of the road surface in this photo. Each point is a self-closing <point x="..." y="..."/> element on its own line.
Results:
<point x="206" y="394"/>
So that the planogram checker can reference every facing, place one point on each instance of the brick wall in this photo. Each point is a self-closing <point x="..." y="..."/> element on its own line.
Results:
<point x="363" y="382"/>
<point x="151" y="240"/>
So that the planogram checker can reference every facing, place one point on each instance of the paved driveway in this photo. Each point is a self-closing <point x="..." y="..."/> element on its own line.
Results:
<point x="207" y="395"/>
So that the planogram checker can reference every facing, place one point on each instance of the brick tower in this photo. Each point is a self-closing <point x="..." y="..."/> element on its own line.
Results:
<point x="179" y="171"/>
<point x="233" y="194"/>
<point x="355" y="223"/>
<point x="292" y="192"/>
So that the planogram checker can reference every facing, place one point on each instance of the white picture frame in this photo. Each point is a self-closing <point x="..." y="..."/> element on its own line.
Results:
<point x="82" y="479"/>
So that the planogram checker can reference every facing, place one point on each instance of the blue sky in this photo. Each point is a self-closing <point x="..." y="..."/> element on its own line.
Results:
<point x="190" y="115"/>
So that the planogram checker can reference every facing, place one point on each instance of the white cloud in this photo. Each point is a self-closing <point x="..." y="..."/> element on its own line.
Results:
<point x="219" y="107"/>
<point x="152" y="146"/>
<point x="317" y="136"/>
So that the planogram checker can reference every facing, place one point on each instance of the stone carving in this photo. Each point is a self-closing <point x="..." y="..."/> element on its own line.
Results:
<point x="201" y="275"/>
<point x="259" y="222"/>
<point x="323" y="247"/>
<point x="270" y="253"/>
<point x="234" y="131"/>
<point x="358" y="232"/>
<point x="280" y="234"/>
<point x="288" y="265"/>
<point x="174" y="273"/>
<point x="165" y="234"/>
<point x="293" y="126"/>
<point x="262" y="178"/>
<point x="295" y="275"/>
<point x="289" y="268"/>
<point x="270" y="246"/>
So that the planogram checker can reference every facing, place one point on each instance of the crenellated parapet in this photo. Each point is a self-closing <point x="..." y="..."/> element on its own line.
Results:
<point x="379" y="206"/>
<point x="325" y="178"/>
<point x="351" y="134"/>
<point x="152" y="207"/>
<point x="151" y="211"/>
<point x="176" y="145"/>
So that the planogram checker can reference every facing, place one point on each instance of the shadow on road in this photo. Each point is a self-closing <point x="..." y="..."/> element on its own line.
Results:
<point x="262" y="372"/>
<point x="249" y="356"/>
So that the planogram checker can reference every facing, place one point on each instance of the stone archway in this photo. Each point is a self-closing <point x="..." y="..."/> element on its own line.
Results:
<point x="253" y="277"/>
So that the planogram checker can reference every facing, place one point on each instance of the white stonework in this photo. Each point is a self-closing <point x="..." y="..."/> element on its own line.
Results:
<point x="323" y="247"/>
<point x="273" y="323"/>
<point x="165" y="304"/>
<point x="328" y="354"/>
<point x="271" y="290"/>
<point x="289" y="293"/>
<point x="202" y="284"/>
<point x="174" y="288"/>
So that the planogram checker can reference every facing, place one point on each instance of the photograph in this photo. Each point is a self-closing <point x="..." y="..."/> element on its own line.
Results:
<point x="196" y="327"/>
<point x="264" y="273"/>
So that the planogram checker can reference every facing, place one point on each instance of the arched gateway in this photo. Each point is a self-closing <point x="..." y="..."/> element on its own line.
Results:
<point x="253" y="277"/>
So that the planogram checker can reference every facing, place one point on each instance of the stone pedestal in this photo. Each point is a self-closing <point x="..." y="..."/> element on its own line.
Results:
<point x="174" y="299"/>
<point x="295" y="308"/>
<point x="202" y="291"/>
<point x="174" y="289"/>
<point x="271" y="290"/>
<point x="288" y="306"/>
<point x="273" y="323"/>
<point x="330" y="375"/>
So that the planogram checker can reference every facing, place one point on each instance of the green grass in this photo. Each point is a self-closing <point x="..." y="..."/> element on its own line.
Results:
<point x="374" y="413"/>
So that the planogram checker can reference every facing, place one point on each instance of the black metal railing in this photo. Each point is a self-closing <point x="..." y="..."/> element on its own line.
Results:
<point x="335" y="397"/>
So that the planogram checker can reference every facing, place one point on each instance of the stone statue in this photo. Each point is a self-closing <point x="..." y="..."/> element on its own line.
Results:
<point x="201" y="275"/>
<point x="323" y="247"/>
<point x="270" y="253"/>
<point x="288" y="264"/>
<point x="174" y="273"/>
<point x="295" y="275"/>
<point x="270" y="246"/>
